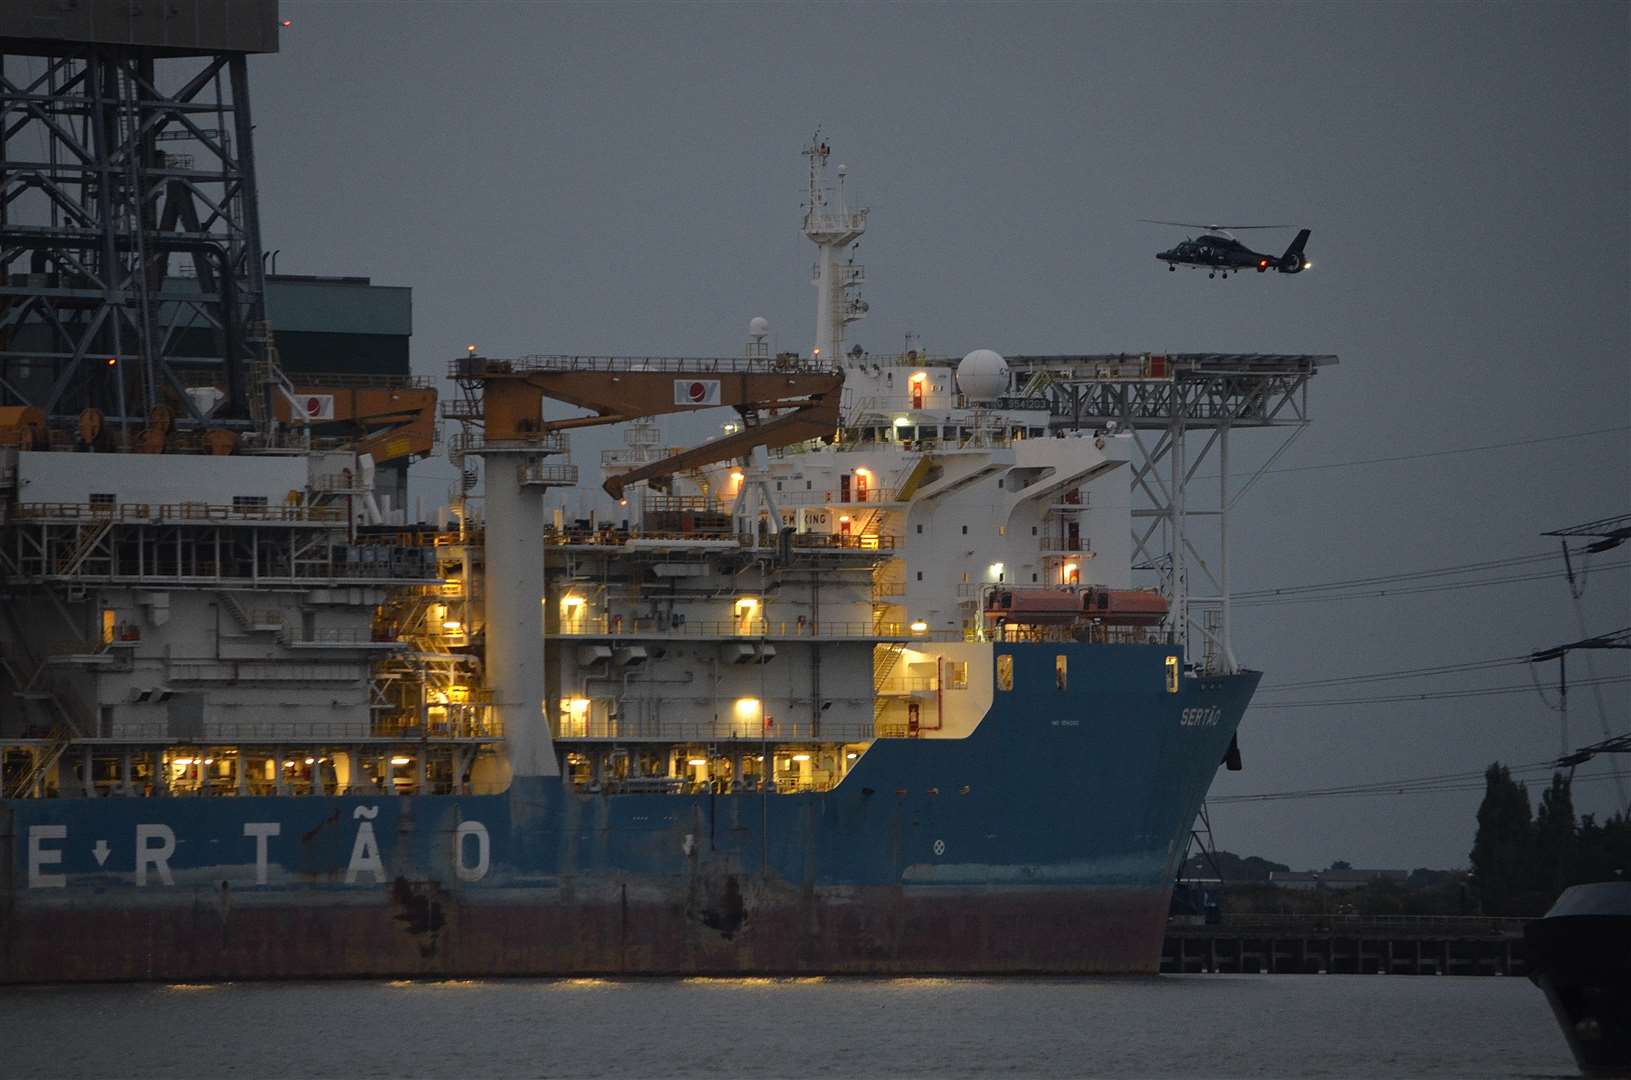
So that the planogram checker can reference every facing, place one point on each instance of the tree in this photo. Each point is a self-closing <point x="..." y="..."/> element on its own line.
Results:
<point x="1555" y="842"/>
<point x="1341" y="864"/>
<point x="1501" y="850"/>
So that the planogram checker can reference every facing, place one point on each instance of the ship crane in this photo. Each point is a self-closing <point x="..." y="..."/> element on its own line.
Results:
<point x="781" y="401"/>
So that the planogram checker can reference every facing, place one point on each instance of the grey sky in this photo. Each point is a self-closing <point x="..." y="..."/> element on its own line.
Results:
<point x="625" y="179"/>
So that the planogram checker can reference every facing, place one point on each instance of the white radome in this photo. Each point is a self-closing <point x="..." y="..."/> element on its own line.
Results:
<point x="758" y="327"/>
<point x="982" y="375"/>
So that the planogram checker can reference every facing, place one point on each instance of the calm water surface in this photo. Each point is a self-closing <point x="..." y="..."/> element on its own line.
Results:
<point x="1178" y="1026"/>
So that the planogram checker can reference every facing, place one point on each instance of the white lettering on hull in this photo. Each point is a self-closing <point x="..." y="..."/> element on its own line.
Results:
<point x="365" y="852"/>
<point x="156" y="845"/>
<point x="158" y="857"/>
<point x="40" y="857"/>
<point x="261" y="830"/>
<point x="1201" y="716"/>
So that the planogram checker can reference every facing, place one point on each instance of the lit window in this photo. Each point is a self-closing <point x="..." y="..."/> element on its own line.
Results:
<point x="1005" y="671"/>
<point x="1059" y="664"/>
<point x="956" y="674"/>
<point x="1172" y="674"/>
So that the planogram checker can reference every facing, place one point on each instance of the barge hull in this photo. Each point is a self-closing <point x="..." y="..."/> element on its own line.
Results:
<point x="427" y="934"/>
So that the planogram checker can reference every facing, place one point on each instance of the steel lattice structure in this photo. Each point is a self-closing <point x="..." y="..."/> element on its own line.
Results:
<point x="1177" y="398"/>
<point x="130" y="252"/>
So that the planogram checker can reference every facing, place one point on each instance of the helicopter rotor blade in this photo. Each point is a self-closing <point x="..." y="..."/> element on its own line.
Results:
<point x="1216" y="228"/>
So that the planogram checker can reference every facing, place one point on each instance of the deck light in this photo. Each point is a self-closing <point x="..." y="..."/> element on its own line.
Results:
<point x="183" y="761"/>
<point x="852" y="755"/>
<point x="801" y="757"/>
<point x="919" y="626"/>
<point x="747" y="707"/>
<point x="452" y="626"/>
<point x="311" y="761"/>
<point x="696" y="761"/>
<point x="400" y="760"/>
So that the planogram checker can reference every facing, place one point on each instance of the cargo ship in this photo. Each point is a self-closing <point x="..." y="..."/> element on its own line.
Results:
<point x="903" y="671"/>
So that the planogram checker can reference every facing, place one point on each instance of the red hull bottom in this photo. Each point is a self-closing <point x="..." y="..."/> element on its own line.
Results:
<point x="425" y="933"/>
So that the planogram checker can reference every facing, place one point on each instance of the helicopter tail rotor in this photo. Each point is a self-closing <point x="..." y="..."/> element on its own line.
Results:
<point x="1294" y="261"/>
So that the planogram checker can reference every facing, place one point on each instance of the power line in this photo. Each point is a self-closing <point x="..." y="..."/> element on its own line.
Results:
<point x="1404" y="575"/>
<point x="1414" y="590"/>
<point x="1436" y="453"/>
<point x="1433" y="695"/>
<point x="1407" y="673"/>
<point x="1471" y="780"/>
<point x="1477" y="785"/>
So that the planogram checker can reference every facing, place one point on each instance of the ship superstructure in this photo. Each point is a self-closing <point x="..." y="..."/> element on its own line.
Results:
<point x="904" y="670"/>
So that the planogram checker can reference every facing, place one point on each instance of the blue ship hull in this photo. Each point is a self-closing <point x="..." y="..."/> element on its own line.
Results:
<point x="1046" y="841"/>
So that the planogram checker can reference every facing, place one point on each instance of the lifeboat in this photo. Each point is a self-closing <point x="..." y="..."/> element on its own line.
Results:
<point x="1038" y="606"/>
<point x="1125" y="607"/>
<point x="1111" y="607"/>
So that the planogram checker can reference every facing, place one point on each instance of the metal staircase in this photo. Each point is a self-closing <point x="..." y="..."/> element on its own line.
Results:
<point x="884" y="658"/>
<point x="88" y="541"/>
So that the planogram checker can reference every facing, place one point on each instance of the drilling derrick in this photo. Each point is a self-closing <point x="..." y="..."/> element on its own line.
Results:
<point x="130" y="252"/>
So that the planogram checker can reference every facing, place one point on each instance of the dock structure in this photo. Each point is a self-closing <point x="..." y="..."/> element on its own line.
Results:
<point x="1347" y="945"/>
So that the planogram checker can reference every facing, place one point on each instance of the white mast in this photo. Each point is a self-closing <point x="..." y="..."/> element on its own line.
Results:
<point x="832" y="226"/>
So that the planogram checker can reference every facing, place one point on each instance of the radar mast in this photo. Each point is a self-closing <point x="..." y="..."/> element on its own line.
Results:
<point x="832" y="226"/>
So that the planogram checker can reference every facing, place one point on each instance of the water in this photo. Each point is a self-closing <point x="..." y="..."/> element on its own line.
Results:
<point x="1178" y="1026"/>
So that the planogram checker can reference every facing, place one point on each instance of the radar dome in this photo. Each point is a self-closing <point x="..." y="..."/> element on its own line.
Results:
<point x="758" y="327"/>
<point x="982" y="376"/>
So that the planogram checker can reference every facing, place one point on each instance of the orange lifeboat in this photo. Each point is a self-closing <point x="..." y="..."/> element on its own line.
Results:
<point x="1125" y="607"/>
<point x="1040" y="606"/>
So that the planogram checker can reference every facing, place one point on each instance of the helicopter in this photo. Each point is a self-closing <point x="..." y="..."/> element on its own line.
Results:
<point x="1217" y="251"/>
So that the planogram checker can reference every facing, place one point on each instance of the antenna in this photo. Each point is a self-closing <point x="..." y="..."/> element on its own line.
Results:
<point x="831" y="225"/>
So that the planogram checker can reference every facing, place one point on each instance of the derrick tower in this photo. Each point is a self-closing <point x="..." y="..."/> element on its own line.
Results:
<point x="130" y="253"/>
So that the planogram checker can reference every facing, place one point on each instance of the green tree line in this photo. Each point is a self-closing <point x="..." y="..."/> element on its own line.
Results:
<point x="1522" y="860"/>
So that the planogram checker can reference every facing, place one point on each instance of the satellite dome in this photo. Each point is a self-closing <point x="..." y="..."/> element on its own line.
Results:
<point x="758" y="327"/>
<point x="982" y="376"/>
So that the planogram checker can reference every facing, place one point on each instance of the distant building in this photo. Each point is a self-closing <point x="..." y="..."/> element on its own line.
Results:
<point x="1334" y="879"/>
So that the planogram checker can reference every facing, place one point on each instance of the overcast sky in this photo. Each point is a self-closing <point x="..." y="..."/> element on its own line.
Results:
<point x="625" y="179"/>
